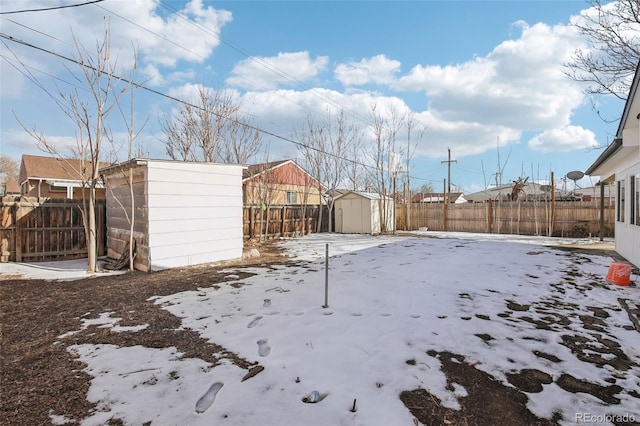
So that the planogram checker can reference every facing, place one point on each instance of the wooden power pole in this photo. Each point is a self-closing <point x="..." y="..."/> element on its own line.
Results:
<point x="449" y="161"/>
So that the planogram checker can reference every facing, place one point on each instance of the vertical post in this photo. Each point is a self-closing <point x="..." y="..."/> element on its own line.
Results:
<point x="553" y="205"/>
<point x="251" y="222"/>
<point x="283" y="213"/>
<point x="326" y="278"/>
<point x="444" y="207"/>
<point x="395" y="225"/>
<point x="601" y="211"/>
<point x="18" y="232"/>
<point x="490" y="216"/>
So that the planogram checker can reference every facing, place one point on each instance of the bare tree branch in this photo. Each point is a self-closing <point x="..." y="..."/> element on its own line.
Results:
<point x="612" y="30"/>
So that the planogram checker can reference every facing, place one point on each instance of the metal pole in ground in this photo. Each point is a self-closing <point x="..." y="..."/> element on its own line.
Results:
<point x="326" y="278"/>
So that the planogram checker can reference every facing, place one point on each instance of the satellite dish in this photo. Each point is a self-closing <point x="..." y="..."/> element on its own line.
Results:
<point x="545" y="188"/>
<point x="575" y="175"/>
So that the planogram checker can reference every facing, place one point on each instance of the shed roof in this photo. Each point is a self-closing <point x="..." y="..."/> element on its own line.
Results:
<point x="368" y="195"/>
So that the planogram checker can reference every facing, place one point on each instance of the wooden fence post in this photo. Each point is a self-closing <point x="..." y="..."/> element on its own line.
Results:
<point x="283" y="213"/>
<point x="444" y="207"/>
<point x="17" y="233"/>
<point x="251" y="224"/>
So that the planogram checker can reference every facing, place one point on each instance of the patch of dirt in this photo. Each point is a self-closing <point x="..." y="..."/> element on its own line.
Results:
<point x="529" y="380"/>
<point x="604" y="393"/>
<point x="40" y="375"/>
<point x="488" y="401"/>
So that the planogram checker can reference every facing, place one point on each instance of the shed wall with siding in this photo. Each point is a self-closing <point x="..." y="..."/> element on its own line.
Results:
<point x="361" y="213"/>
<point x="186" y="213"/>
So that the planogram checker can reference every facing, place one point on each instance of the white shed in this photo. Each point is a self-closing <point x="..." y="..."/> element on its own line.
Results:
<point x="364" y="213"/>
<point x="186" y="213"/>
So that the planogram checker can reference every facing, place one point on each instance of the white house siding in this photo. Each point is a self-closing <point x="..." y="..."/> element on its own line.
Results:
<point x="621" y="162"/>
<point x="627" y="234"/>
<point x="194" y="213"/>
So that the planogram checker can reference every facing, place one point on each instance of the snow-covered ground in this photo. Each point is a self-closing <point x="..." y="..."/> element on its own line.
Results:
<point x="65" y="270"/>
<point x="391" y="299"/>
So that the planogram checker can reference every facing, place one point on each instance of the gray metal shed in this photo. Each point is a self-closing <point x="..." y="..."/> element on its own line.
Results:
<point x="364" y="213"/>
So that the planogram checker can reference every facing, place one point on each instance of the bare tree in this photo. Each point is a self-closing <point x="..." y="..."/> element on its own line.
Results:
<point x="210" y="129"/>
<point x="89" y="113"/>
<point x="314" y="142"/>
<point x="242" y="141"/>
<point x="343" y="134"/>
<point x="9" y="169"/>
<point x="411" y="124"/>
<point x="355" y="168"/>
<point x="132" y="137"/>
<point x="612" y="30"/>
<point x="179" y="134"/>
<point x="384" y="130"/>
<point x="264" y="186"/>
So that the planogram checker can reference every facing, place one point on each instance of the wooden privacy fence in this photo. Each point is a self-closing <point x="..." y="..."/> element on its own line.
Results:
<point x="559" y="219"/>
<point x="283" y="221"/>
<point x="39" y="230"/>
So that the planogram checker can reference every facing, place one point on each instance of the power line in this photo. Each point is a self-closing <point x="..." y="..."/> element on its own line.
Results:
<point x="175" y="99"/>
<point x="264" y="64"/>
<point x="181" y="101"/>
<point x="50" y="8"/>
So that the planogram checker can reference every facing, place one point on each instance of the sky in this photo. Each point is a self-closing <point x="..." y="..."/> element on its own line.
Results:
<point x="481" y="78"/>
<point x="391" y="300"/>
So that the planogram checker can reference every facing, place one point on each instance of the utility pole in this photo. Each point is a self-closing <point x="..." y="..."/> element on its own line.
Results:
<point x="449" y="161"/>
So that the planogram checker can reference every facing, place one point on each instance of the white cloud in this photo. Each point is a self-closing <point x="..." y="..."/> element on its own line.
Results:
<point x="162" y="35"/>
<point x="268" y="73"/>
<point x="519" y="85"/>
<point x="288" y="108"/>
<point x="565" y="139"/>
<point x="190" y="35"/>
<point x="377" y="69"/>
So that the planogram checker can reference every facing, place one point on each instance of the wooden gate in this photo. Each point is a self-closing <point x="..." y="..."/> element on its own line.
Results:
<point x="34" y="231"/>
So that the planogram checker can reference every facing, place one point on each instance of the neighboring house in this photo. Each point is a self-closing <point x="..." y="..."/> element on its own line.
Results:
<point x="593" y="192"/>
<point x="532" y="191"/>
<point x="435" y="197"/>
<point x="186" y="213"/>
<point x="53" y="177"/>
<point x="279" y="183"/>
<point x="11" y="187"/>
<point x="620" y="164"/>
<point x="364" y="213"/>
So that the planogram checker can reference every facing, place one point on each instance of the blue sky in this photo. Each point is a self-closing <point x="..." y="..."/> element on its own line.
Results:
<point x="483" y="78"/>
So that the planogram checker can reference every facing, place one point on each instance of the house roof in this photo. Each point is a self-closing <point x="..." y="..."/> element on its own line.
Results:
<point x="256" y="169"/>
<point x="423" y="197"/>
<point x="616" y="146"/>
<point x="530" y="188"/>
<point x="11" y="187"/>
<point x="39" y="167"/>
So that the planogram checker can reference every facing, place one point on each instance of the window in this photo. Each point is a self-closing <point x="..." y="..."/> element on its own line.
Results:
<point x="292" y="197"/>
<point x="620" y="200"/>
<point x="55" y="188"/>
